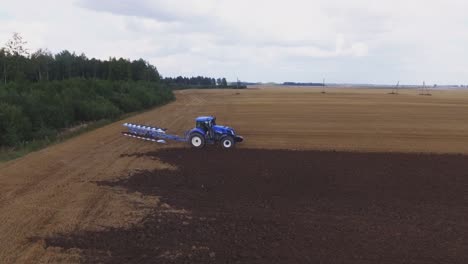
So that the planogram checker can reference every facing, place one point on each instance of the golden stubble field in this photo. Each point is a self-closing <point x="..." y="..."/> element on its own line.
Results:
<point x="353" y="119"/>
<point x="53" y="190"/>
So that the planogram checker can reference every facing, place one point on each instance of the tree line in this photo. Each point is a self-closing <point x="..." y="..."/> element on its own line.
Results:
<point x="31" y="111"/>
<point x="17" y="64"/>
<point x="200" y="81"/>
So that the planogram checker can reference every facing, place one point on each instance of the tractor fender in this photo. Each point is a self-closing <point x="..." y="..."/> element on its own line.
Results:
<point x="196" y="130"/>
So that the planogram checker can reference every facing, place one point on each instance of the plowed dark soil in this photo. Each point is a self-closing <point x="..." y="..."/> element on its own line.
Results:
<point x="267" y="206"/>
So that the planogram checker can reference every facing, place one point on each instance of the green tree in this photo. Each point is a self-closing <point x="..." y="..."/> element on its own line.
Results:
<point x="15" y="127"/>
<point x="42" y="61"/>
<point x="138" y="69"/>
<point x="17" y="46"/>
<point x="3" y="64"/>
<point x="16" y="51"/>
<point x="64" y="62"/>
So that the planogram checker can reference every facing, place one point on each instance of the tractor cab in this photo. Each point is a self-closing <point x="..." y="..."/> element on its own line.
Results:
<point x="205" y="123"/>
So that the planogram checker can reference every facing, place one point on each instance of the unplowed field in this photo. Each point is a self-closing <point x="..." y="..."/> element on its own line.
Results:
<point x="103" y="197"/>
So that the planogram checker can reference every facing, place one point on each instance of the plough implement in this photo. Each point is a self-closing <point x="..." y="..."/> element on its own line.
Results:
<point x="205" y="132"/>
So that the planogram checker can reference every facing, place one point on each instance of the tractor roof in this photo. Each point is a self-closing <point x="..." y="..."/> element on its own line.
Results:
<point x="204" y="118"/>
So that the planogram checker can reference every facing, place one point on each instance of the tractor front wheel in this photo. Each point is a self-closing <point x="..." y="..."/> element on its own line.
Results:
<point x="197" y="141"/>
<point x="227" y="142"/>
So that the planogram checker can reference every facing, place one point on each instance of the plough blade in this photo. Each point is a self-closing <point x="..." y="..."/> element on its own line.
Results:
<point x="142" y="129"/>
<point x="149" y="133"/>
<point x="161" y="141"/>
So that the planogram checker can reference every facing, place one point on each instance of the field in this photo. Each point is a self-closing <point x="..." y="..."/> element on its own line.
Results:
<point x="353" y="175"/>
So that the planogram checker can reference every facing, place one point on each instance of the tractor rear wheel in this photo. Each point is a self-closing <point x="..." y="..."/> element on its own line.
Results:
<point x="197" y="141"/>
<point x="227" y="142"/>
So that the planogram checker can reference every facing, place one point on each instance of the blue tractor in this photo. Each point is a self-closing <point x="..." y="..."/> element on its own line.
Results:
<point x="205" y="132"/>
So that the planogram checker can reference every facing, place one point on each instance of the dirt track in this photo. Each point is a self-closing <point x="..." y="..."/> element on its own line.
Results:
<point x="259" y="206"/>
<point x="54" y="190"/>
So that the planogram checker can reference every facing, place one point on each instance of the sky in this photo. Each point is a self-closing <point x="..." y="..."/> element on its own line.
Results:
<point x="349" y="41"/>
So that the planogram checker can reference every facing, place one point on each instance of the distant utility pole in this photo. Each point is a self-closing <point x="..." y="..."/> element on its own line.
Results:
<point x="425" y="89"/>
<point x="323" y="86"/>
<point x="238" y="83"/>
<point x="395" y="89"/>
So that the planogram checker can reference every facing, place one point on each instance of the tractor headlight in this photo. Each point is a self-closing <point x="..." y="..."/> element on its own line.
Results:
<point x="232" y="132"/>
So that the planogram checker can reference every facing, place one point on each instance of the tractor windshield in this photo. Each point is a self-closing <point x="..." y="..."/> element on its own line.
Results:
<point x="201" y="125"/>
<point x="204" y="125"/>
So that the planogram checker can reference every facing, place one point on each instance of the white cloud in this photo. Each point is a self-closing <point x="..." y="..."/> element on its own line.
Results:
<point x="259" y="40"/>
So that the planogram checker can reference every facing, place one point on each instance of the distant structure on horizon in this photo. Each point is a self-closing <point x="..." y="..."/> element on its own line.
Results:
<point x="425" y="89"/>
<point x="303" y="84"/>
<point x="395" y="89"/>
<point x="323" y="84"/>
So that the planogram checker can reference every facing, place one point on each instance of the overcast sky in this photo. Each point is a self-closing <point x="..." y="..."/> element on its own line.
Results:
<point x="352" y="41"/>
